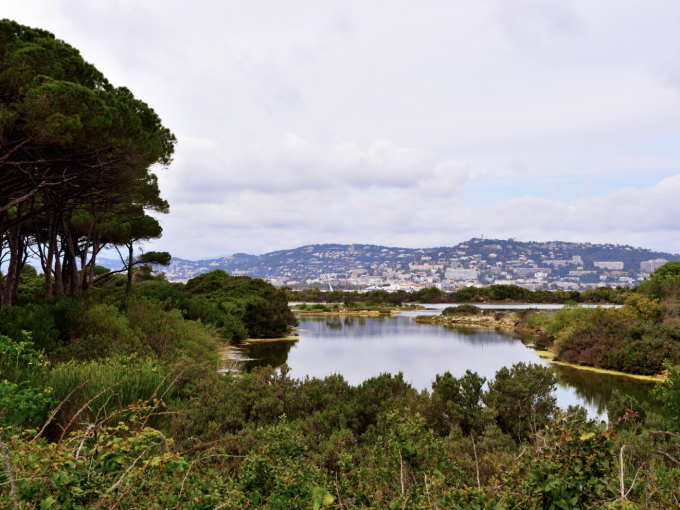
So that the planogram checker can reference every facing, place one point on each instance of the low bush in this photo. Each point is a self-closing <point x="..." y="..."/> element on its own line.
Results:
<point x="465" y="309"/>
<point x="48" y="322"/>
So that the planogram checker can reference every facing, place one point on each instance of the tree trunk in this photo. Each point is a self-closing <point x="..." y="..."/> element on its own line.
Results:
<point x="82" y="278"/>
<point x="51" y="248"/>
<point x="66" y="273"/>
<point x="73" y="264"/>
<point x="8" y="284"/>
<point x="128" y="289"/>
<point x="58" y="275"/>
<point x="22" y="255"/>
<point x="95" y="252"/>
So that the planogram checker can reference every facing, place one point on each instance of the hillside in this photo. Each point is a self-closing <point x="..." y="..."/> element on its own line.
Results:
<point x="554" y="264"/>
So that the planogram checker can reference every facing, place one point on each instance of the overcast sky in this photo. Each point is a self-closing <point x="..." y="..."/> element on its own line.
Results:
<point x="402" y="123"/>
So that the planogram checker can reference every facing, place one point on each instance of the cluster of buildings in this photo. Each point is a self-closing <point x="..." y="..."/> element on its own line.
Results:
<point x="531" y="270"/>
<point x="478" y="262"/>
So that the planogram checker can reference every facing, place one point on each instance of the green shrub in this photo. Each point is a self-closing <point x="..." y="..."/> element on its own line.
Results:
<point x="462" y="310"/>
<point x="49" y="322"/>
<point x="522" y="398"/>
<point x="22" y="403"/>
<point x="195" y="308"/>
<point x="166" y="333"/>
<point x="105" y="321"/>
<point x="667" y="393"/>
<point x="260" y="307"/>
<point x="458" y="402"/>
<point x="38" y="319"/>
<point x="626" y="411"/>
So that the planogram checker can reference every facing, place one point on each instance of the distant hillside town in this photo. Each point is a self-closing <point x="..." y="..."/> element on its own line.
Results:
<point x="478" y="262"/>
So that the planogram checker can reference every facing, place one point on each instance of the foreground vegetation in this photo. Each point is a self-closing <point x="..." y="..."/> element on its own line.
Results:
<point x="142" y="432"/>
<point x="115" y="401"/>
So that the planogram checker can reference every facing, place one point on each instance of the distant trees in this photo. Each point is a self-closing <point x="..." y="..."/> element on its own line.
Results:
<point x="664" y="282"/>
<point x="73" y="148"/>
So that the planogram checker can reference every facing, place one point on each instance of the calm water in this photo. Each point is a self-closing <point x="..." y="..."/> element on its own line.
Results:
<point x="363" y="347"/>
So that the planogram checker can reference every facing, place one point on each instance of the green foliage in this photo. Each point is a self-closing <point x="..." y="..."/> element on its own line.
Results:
<point x="31" y="284"/>
<point x="100" y="270"/>
<point x="501" y="293"/>
<point x="193" y="307"/>
<point x="102" y="388"/>
<point x="571" y="467"/>
<point x="664" y="282"/>
<point x="629" y="339"/>
<point x="263" y="440"/>
<point x="55" y="96"/>
<point x="22" y="404"/>
<point x="105" y="321"/>
<point x="458" y="402"/>
<point x="48" y="322"/>
<point x="166" y="333"/>
<point x="522" y="398"/>
<point x="465" y="309"/>
<point x="557" y="321"/>
<point x="667" y="394"/>
<point x="160" y="258"/>
<point x="626" y="411"/>
<point x="334" y="296"/>
<point x="261" y="307"/>
<point x="427" y="294"/>
<point x="92" y="472"/>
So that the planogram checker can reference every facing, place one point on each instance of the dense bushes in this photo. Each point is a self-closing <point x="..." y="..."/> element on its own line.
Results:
<point x="517" y="400"/>
<point x="493" y="293"/>
<point x="462" y="310"/>
<point x="146" y="421"/>
<point x="630" y="339"/>
<point x="264" y="440"/>
<point x="233" y="308"/>
<point x="261" y="307"/>
<point x="48" y="322"/>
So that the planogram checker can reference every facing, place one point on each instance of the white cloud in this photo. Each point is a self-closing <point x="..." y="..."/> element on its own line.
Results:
<point x="303" y="122"/>
<point x="407" y="217"/>
<point x="203" y="173"/>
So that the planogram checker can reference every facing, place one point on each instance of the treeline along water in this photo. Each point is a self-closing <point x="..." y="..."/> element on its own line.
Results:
<point x="362" y="347"/>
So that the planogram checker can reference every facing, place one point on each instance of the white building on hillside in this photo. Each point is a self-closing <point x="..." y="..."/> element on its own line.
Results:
<point x="459" y="274"/>
<point x="616" y="266"/>
<point x="652" y="265"/>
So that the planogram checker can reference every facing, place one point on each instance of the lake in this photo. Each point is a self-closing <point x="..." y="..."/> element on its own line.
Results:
<point x="363" y="347"/>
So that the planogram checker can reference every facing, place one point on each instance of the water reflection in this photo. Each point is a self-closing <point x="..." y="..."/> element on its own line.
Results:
<point x="360" y="347"/>
<point x="595" y="389"/>
<point x="268" y="353"/>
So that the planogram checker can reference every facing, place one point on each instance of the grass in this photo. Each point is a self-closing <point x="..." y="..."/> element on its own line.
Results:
<point x="103" y="387"/>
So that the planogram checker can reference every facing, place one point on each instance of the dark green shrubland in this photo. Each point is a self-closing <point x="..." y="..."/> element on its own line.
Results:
<point x="465" y="309"/>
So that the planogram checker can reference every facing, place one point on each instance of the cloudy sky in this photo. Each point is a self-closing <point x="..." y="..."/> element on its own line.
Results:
<point x="403" y="123"/>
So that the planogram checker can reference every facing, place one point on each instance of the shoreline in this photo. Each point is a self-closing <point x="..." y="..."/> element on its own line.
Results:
<point x="550" y="358"/>
<point x="484" y="321"/>
<point x="508" y="323"/>
<point x="366" y="313"/>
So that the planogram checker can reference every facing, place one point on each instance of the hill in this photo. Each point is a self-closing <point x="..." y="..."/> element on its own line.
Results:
<point x="481" y="261"/>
